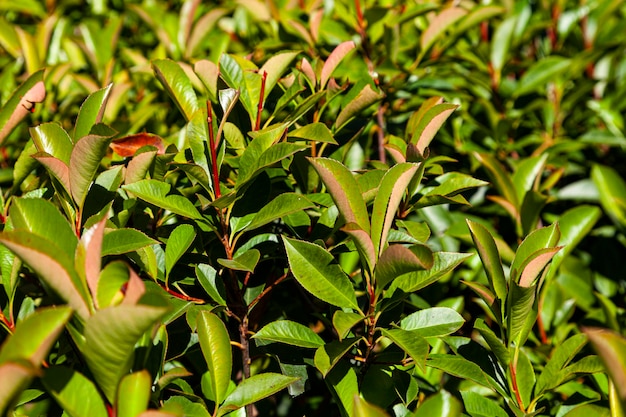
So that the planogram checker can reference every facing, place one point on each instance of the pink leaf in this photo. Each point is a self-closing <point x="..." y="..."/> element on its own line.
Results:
<point x="334" y="59"/>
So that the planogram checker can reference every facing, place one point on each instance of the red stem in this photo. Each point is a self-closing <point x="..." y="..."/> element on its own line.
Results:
<point x="518" y="397"/>
<point x="213" y="146"/>
<point x="261" y="101"/>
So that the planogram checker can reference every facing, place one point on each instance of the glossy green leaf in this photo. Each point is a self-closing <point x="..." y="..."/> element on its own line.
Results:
<point x="134" y="394"/>
<point x="314" y="268"/>
<point x="177" y="244"/>
<point x="542" y="72"/>
<point x="460" y="367"/>
<point x="398" y="260"/>
<point x="365" y="98"/>
<point x="500" y="46"/>
<point x="52" y="265"/>
<point x="390" y="193"/>
<point x="327" y="356"/>
<point x="478" y="405"/>
<point x="343" y="384"/>
<point x="113" y="278"/>
<point x="333" y="60"/>
<point x="247" y="261"/>
<point x="433" y="322"/>
<point x="54" y="140"/>
<point x="317" y="132"/>
<point x="119" y="241"/>
<point x="364" y="409"/>
<point x="289" y="332"/>
<point x="56" y="168"/>
<point x="521" y="314"/>
<point x="495" y="343"/>
<point x="343" y="322"/>
<point x="527" y="174"/>
<point x="178" y="86"/>
<point x="156" y="192"/>
<point x="21" y="102"/>
<point x="612" y="190"/>
<point x="500" y="178"/>
<point x="71" y="389"/>
<point x="10" y="266"/>
<point x="35" y="336"/>
<point x="411" y="342"/>
<point x="440" y="404"/>
<point x="42" y="218"/>
<point x="216" y="349"/>
<point x="271" y="156"/>
<point x="490" y="257"/>
<point x="525" y="377"/>
<point x="110" y="338"/>
<point x="281" y="206"/>
<point x="91" y="113"/>
<point x="254" y="389"/>
<point x="560" y="357"/>
<point x="85" y="160"/>
<point x="444" y="262"/>
<point x="211" y="282"/>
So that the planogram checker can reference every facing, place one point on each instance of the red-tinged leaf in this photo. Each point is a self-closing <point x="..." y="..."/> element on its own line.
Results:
<point x="506" y="205"/>
<point x="546" y="237"/>
<point x="483" y="292"/>
<point x="20" y="375"/>
<point x="363" y="243"/>
<point x="139" y="166"/>
<point x="135" y="288"/>
<point x="344" y="190"/>
<point x="51" y="264"/>
<point x="56" y="167"/>
<point x="534" y="265"/>
<point x="333" y="60"/>
<point x="500" y="178"/>
<point x="128" y="145"/>
<point x="21" y="103"/>
<point x="88" y="256"/>
<point x="307" y="70"/>
<point x="398" y="260"/>
<point x="490" y="257"/>
<point x="366" y="97"/>
<point x="52" y="139"/>
<point x="429" y="125"/>
<point x="208" y="73"/>
<point x="611" y="348"/>
<point x="275" y="67"/>
<point x="201" y="29"/>
<point x="439" y="25"/>
<point x="417" y="116"/>
<point x="84" y="163"/>
<point x="390" y="193"/>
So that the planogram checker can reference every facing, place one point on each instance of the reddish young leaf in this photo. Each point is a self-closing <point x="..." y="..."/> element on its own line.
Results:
<point x="128" y="145"/>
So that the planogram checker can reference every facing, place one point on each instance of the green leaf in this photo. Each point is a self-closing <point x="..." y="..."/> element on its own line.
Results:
<point x="112" y="279"/>
<point x="546" y="237"/>
<point x="313" y="268"/>
<point x="85" y="160"/>
<point x="527" y="174"/>
<point x="177" y="244"/>
<point x="495" y="343"/>
<point x="110" y="338"/>
<point x="52" y="265"/>
<point x="333" y="60"/>
<point x="500" y="46"/>
<point x="560" y="357"/>
<point x="134" y="394"/>
<point x="444" y="262"/>
<point x="478" y="405"/>
<point x="612" y="190"/>
<point x="56" y="168"/>
<point x="212" y="284"/>
<point x="525" y="376"/>
<point x="363" y="409"/>
<point x="271" y="156"/>
<point x="365" y="98"/>
<point x="247" y="261"/>
<point x="119" y="241"/>
<point x="541" y="73"/>
<point x="155" y="192"/>
<point x="289" y="332"/>
<point x="42" y="218"/>
<point x="390" y="193"/>
<point x="411" y="342"/>
<point x="327" y="356"/>
<point x="459" y="367"/>
<point x="438" y="25"/>
<point x="76" y="394"/>
<point x="20" y="374"/>
<point x="500" y="179"/>
<point x="21" y="102"/>
<point x="35" y="335"/>
<point x="490" y="257"/>
<point x="441" y="404"/>
<point x="398" y="260"/>
<point x="54" y="140"/>
<point x="254" y="389"/>
<point x="91" y="113"/>
<point x="343" y="322"/>
<point x="343" y="384"/>
<point x="177" y="85"/>
<point x="521" y="314"/>
<point x="216" y="349"/>
<point x="316" y="132"/>
<point x="433" y="322"/>
<point x="283" y="205"/>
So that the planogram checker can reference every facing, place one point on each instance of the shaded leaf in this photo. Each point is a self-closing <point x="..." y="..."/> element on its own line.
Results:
<point x="478" y="405"/>
<point x="212" y="284"/>
<point x="343" y="322"/>
<point x="612" y="190"/>
<point x="327" y="356"/>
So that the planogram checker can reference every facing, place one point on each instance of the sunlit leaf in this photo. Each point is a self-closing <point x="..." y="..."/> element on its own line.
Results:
<point x="333" y="60"/>
<point x="434" y="321"/>
<point x="128" y="145"/>
<point x="91" y="113"/>
<point x="134" y="394"/>
<point x="254" y="389"/>
<point x="289" y="332"/>
<point x="178" y="86"/>
<point x="21" y="103"/>
<point x="215" y="345"/>
<point x="70" y="389"/>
